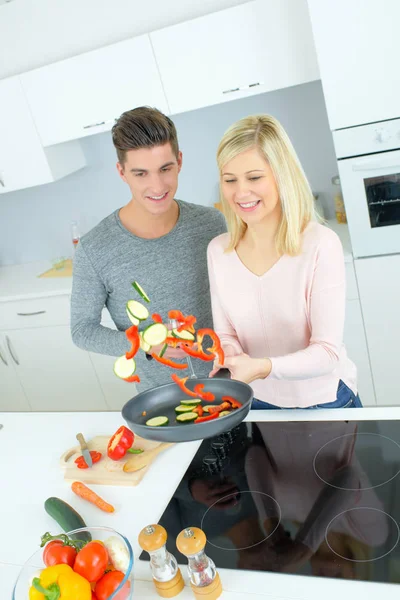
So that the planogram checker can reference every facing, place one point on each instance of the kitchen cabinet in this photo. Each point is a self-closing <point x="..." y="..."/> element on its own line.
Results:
<point x="55" y="374"/>
<point x="252" y="48"/>
<point x="84" y="95"/>
<point x="358" y="59"/>
<point x="23" y="161"/>
<point x="116" y="392"/>
<point x="12" y="395"/>
<point x="379" y="288"/>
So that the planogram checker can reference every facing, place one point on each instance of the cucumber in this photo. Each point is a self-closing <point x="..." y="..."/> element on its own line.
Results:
<point x="137" y="310"/>
<point x="223" y="413"/>
<point x="163" y="351"/>
<point x="136" y="286"/>
<point x="188" y="417"/>
<point x="124" y="367"/>
<point x="182" y="335"/>
<point x="157" y="422"/>
<point x="144" y="345"/>
<point x="182" y="409"/>
<point x="155" y="334"/>
<point x="67" y="517"/>
<point x="194" y="402"/>
<point x="132" y="319"/>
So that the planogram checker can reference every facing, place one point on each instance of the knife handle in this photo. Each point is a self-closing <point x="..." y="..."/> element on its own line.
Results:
<point x="82" y="441"/>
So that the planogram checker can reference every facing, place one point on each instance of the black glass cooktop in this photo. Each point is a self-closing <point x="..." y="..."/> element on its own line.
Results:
<point x="312" y="498"/>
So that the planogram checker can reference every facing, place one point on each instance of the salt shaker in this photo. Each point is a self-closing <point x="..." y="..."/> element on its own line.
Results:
<point x="204" y="578"/>
<point x="167" y="576"/>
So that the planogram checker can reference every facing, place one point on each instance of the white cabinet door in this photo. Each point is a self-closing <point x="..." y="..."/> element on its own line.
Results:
<point x="116" y="392"/>
<point x="83" y="95"/>
<point x="55" y="374"/>
<point x="358" y="57"/>
<point x="356" y="346"/>
<point x="249" y="49"/>
<point x="12" y="396"/>
<point x="379" y="287"/>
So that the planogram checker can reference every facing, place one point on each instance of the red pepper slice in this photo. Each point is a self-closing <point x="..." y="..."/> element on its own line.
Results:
<point x="196" y="353"/>
<point x="176" y="315"/>
<point x="81" y="462"/>
<point x="208" y="418"/>
<point x="132" y="335"/>
<point x="120" y="443"/>
<point x="188" y="322"/>
<point x="181" y="383"/>
<point x="168" y="362"/>
<point x="199" y="410"/>
<point x="219" y="408"/>
<point x="234" y="403"/>
<point x="207" y="396"/>
<point x="133" y="379"/>
<point x="216" y="348"/>
<point x="157" y="318"/>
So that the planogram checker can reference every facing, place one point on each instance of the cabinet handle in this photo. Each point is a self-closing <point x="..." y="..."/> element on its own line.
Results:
<point x="98" y="124"/>
<point x="2" y="182"/>
<point x="242" y="87"/>
<point x="3" y="359"/>
<point x="32" y="314"/>
<point x="10" y="348"/>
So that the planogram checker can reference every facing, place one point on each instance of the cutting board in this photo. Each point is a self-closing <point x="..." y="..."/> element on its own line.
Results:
<point x="106" y="471"/>
<point x="66" y="271"/>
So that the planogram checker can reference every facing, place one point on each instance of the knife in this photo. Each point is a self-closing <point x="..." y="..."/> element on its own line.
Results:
<point x="84" y="449"/>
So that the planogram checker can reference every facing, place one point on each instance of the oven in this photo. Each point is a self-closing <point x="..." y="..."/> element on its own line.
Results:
<point x="369" y="168"/>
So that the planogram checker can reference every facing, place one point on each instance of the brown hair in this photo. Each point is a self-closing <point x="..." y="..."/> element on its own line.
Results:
<point x="143" y="127"/>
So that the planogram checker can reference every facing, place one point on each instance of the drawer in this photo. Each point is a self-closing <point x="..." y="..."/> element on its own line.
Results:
<point x="351" y="282"/>
<point x="36" y="312"/>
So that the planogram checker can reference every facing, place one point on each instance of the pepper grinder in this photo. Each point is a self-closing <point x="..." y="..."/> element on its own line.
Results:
<point x="167" y="576"/>
<point x="204" y="578"/>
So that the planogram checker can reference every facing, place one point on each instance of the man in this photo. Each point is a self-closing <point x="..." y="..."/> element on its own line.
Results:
<point x="155" y="240"/>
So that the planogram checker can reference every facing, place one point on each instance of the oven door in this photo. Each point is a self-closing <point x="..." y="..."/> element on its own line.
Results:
<point x="371" y="192"/>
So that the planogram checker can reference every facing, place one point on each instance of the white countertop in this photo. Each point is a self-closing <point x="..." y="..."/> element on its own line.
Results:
<point x="30" y="447"/>
<point x="21" y="282"/>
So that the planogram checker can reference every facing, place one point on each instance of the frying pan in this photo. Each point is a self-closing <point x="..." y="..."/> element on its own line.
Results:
<point x="162" y="400"/>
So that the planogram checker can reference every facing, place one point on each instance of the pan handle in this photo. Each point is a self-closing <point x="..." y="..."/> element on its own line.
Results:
<point x="223" y="374"/>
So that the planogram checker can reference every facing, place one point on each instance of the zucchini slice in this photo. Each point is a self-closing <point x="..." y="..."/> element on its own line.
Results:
<point x="207" y="408"/>
<point x="137" y="310"/>
<point x="157" y="422"/>
<point x="194" y="402"/>
<point x="183" y="409"/>
<point x="124" y="367"/>
<point x="182" y="335"/>
<point x="144" y="345"/>
<point x="155" y="334"/>
<point x="188" y="417"/>
<point x="136" y="286"/>
<point x="223" y="413"/>
<point x="132" y="319"/>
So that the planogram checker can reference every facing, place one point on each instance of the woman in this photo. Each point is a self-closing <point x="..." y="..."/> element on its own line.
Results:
<point x="277" y="278"/>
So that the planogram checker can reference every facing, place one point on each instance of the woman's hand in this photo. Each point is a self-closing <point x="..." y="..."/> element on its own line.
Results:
<point x="246" y="369"/>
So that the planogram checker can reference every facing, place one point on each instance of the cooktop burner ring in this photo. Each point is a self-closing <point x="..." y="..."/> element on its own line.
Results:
<point x="361" y="433"/>
<point x="279" y="514"/>
<point x="369" y="560"/>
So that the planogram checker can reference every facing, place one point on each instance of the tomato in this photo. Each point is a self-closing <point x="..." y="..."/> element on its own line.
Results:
<point x="91" y="562"/>
<point x="109" y="583"/>
<point x="55" y="553"/>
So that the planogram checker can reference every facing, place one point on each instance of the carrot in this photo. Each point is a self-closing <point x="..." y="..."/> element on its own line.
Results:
<point x="84" y="492"/>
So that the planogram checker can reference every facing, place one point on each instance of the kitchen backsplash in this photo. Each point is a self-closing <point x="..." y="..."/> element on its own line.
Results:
<point x="35" y="223"/>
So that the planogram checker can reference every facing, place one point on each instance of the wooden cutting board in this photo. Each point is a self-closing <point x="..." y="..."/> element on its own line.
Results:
<point x="106" y="471"/>
<point x="66" y="271"/>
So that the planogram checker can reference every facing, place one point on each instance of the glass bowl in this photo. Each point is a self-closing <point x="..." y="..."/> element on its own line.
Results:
<point x="35" y="564"/>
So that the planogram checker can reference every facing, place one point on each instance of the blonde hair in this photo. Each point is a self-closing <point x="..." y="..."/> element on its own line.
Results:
<point x="267" y="135"/>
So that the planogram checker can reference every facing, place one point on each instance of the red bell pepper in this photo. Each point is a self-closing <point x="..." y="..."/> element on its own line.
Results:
<point x="157" y="318"/>
<point x="120" y="443"/>
<point x="132" y="335"/>
<point x="207" y="418"/>
<point x="188" y="323"/>
<point x="199" y="410"/>
<point x="181" y="383"/>
<point x="219" y="408"/>
<point x="196" y="353"/>
<point x="176" y="315"/>
<point x="216" y="349"/>
<point x="207" y="396"/>
<point x="81" y="462"/>
<point x="234" y="403"/>
<point x="133" y="379"/>
<point x="168" y="362"/>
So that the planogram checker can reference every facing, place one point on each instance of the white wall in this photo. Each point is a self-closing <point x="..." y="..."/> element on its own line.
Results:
<point x="34" y="33"/>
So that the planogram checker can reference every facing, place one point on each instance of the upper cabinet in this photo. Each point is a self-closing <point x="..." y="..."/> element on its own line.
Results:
<point x="84" y="95"/>
<point x="358" y="57"/>
<point x="253" y="48"/>
<point x="23" y="161"/>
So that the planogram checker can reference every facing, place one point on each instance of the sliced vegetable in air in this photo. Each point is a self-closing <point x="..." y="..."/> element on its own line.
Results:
<point x="136" y="286"/>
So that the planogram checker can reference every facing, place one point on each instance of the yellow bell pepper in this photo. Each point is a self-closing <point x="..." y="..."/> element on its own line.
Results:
<point x="60" y="583"/>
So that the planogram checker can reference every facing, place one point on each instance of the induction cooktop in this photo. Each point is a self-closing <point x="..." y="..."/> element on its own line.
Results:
<point x="309" y="498"/>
